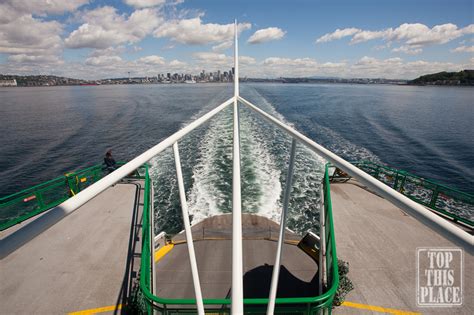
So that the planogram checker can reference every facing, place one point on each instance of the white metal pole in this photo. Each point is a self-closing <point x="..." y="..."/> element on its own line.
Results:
<point x="237" y="306"/>
<point x="187" y="228"/>
<point x="419" y="212"/>
<point x="281" y="237"/>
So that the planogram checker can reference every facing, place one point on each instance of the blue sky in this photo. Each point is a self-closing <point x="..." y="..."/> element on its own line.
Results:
<point x="98" y="39"/>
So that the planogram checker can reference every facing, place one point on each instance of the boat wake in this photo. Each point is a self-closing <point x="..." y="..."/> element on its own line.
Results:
<point x="206" y="157"/>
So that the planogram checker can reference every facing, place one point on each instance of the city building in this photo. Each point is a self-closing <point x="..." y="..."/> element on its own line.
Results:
<point x="8" y="82"/>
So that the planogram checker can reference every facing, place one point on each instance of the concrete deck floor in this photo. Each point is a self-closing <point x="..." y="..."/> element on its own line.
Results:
<point x="379" y="241"/>
<point x="81" y="262"/>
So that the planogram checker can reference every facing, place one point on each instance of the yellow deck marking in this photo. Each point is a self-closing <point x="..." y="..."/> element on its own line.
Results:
<point x="98" y="310"/>
<point x="163" y="251"/>
<point x="378" y="309"/>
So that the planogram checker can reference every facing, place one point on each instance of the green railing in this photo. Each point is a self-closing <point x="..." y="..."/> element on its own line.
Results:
<point x="302" y="305"/>
<point x="35" y="200"/>
<point x="30" y="202"/>
<point x="452" y="203"/>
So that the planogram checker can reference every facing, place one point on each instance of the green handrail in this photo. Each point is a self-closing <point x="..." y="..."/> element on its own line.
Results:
<point x="323" y="301"/>
<point x="35" y="200"/>
<point x="432" y="194"/>
<point x="32" y="201"/>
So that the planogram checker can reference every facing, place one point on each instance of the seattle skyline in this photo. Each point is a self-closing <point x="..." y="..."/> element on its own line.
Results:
<point x="89" y="39"/>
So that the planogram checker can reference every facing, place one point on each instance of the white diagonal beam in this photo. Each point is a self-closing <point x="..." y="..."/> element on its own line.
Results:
<point x="281" y="236"/>
<point x="187" y="229"/>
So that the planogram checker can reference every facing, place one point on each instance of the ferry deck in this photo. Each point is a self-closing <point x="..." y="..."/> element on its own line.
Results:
<point x="87" y="262"/>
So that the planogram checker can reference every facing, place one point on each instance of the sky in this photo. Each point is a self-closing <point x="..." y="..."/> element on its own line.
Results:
<point x="96" y="39"/>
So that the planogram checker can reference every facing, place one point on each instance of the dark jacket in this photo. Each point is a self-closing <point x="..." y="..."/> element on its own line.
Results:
<point x="109" y="161"/>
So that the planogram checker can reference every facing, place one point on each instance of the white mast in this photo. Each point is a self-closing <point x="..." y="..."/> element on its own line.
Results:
<point x="237" y="274"/>
<point x="236" y="64"/>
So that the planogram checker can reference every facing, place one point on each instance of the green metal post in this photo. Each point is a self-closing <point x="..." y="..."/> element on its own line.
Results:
<point x="434" y="197"/>
<point x="395" y="183"/>
<point x="39" y="198"/>
<point x="377" y="171"/>
<point x="402" y="184"/>
<point x="69" y="184"/>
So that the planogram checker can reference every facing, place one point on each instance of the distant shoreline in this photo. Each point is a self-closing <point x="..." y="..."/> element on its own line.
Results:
<point x="461" y="78"/>
<point x="242" y="82"/>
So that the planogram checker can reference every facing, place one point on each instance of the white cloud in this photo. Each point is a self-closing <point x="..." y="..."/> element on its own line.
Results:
<point x="298" y="67"/>
<point x="382" y="47"/>
<point x="365" y="67"/>
<point x="468" y="30"/>
<point x="47" y="6"/>
<point x="412" y="34"/>
<point x="398" y="68"/>
<point x="110" y="66"/>
<point x="247" y="60"/>
<point x="169" y="46"/>
<point x="277" y="61"/>
<point x="31" y="39"/>
<point x="10" y="10"/>
<point x="102" y="60"/>
<point x="194" y="32"/>
<point x="177" y="64"/>
<point x="152" y="60"/>
<point x="104" y="27"/>
<point x="223" y="46"/>
<point x="144" y="3"/>
<point x="92" y="36"/>
<point x="364" y="36"/>
<point x="114" y="66"/>
<point x="180" y="66"/>
<point x="8" y="13"/>
<point x="108" y="51"/>
<point x="23" y="58"/>
<point x="420" y="34"/>
<point x="27" y="36"/>
<point x="368" y="62"/>
<point x="337" y="34"/>
<point x="410" y="50"/>
<point x="217" y="61"/>
<point x="460" y="49"/>
<point x="266" y="34"/>
<point x="33" y="42"/>
<point x="212" y="57"/>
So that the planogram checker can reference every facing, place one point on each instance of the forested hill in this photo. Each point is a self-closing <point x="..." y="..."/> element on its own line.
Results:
<point x="464" y="77"/>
